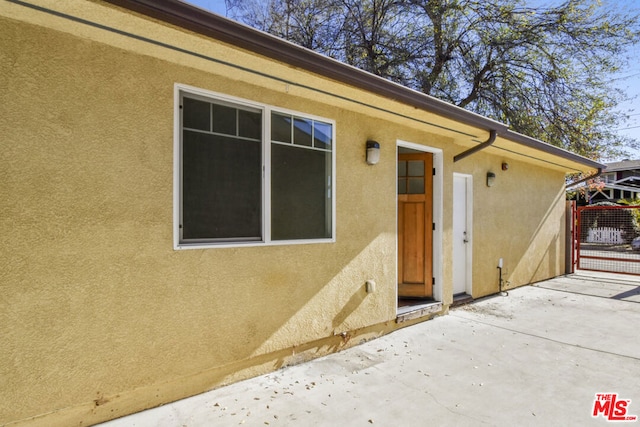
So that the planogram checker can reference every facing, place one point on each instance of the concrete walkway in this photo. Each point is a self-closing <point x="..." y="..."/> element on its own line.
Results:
<point x="535" y="357"/>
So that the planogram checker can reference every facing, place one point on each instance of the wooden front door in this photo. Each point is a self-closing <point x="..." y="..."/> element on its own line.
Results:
<point x="415" y="225"/>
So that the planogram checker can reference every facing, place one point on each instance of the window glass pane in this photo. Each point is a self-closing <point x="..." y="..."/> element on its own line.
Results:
<point x="415" y="168"/>
<point x="224" y="119"/>
<point x="302" y="132"/>
<point x="300" y="193"/>
<point x="196" y="114"/>
<point x="221" y="187"/>
<point x="249" y="124"/>
<point x="322" y="135"/>
<point x="402" y="168"/>
<point x="221" y="176"/>
<point x="280" y="128"/>
<point x="416" y="185"/>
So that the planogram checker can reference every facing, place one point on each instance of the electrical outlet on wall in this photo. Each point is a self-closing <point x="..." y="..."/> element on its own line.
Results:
<point x="370" y="286"/>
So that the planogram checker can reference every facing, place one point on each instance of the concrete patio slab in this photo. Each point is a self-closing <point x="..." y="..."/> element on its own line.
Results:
<point x="538" y="356"/>
<point x="606" y="285"/>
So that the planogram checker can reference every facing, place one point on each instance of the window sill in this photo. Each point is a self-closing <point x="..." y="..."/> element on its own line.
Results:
<point x="225" y="245"/>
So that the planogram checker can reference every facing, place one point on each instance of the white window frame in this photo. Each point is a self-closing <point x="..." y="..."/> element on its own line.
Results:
<point x="609" y="177"/>
<point x="266" y="164"/>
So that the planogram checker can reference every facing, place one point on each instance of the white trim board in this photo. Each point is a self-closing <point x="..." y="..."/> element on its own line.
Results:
<point x="438" y="180"/>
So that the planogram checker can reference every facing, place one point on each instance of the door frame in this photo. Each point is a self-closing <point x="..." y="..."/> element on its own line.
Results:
<point x="437" y="213"/>
<point x="468" y="178"/>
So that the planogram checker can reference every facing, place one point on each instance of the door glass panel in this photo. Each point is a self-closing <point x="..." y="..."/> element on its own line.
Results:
<point x="416" y="168"/>
<point x="402" y="177"/>
<point x="402" y="186"/>
<point x="402" y="168"/>
<point x="416" y="185"/>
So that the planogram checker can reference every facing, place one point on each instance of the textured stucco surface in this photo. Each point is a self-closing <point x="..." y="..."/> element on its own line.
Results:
<point x="519" y="219"/>
<point x="100" y="316"/>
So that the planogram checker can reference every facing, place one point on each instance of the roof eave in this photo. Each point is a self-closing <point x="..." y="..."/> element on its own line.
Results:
<point x="551" y="149"/>
<point x="209" y="24"/>
<point x="203" y="22"/>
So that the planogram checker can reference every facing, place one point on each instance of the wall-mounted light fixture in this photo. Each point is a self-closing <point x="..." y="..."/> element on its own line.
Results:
<point x="491" y="178"/>
<point x="373" y="152"/>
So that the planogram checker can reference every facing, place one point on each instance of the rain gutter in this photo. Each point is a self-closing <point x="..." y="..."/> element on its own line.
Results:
<point x="492" y="137"/>
<point x="200" y="21"/>
<point x="209" y="24"/>
<point x="550" y="149"/>
<point x="595" y="175"/>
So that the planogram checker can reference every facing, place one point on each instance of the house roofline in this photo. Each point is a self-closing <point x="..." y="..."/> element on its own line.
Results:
<point x="210" y="24"/>
<point x="623" y="165"/>
<point x="551" y="149"/>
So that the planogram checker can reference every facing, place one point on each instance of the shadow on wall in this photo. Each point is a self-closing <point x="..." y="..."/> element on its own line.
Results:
<point x="350" y="307"/>
<point x="532" y="266"/>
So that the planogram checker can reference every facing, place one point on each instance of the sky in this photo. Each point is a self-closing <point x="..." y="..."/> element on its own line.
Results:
<point x="627" y="80"/>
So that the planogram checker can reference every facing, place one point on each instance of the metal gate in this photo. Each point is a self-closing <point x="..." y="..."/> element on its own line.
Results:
<point x="607" y="239"/>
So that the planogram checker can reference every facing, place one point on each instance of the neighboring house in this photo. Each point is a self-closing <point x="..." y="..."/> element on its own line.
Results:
<point x="187" y="202"/>
<point x="620" y="180"/>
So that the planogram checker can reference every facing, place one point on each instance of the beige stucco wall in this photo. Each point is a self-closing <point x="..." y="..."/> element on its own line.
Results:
<point x="519" y="219"/>
<point x="100" y="316"/>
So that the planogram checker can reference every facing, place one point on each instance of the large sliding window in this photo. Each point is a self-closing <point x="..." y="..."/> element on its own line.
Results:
<point x="250" y="173"/>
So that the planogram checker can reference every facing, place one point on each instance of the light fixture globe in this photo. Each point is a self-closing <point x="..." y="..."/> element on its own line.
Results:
<point x="373" y="152"/>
